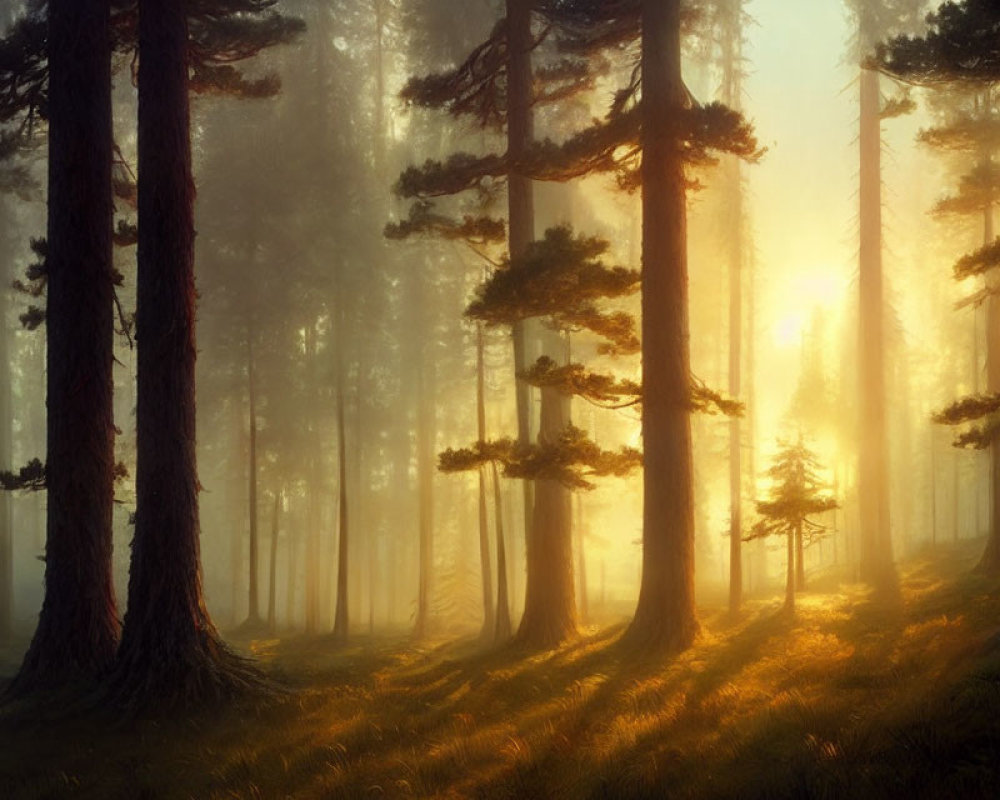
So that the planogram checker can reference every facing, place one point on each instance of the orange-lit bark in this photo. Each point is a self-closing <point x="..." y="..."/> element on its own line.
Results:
<point x="873" y="469"/>
<point x="665" y="615"/>
<point x="503" y="626"/>
<point x="520" y="204"/>
<point x="170" y="652"/>
<point x="485" y="567"/>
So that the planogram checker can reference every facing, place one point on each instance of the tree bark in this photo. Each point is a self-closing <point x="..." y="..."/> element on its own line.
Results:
<point x="426" y="437"/>
<point x="990" y="561"/>
<point x="78" y="627"/>
<point x="503" y="626"/>
<point x="876" y="563"/>
<point x="312" y="564"/>
<point x="790" y="569"/>
<point x="6" y="438"/>
<point x="665" y="614"/>
<point x="272" y="583"/>
<point x="732" y="97"/>
<point x="549" y="616"/>
<point x="170" y="653"/>
<point x="341" y="619"/>
<point x="485" y="567"/>
<point x="253" y="594"/>
<point x="800" y="563"/>
<point x="520" y="204"/>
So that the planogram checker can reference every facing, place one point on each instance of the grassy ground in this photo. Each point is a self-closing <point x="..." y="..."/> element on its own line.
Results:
<point x="848" y="699"/>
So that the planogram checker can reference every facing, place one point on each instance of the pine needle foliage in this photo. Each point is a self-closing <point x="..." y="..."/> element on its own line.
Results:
<point x="959" y="47"/>
<point x="797" y="494"/>
<point x="980" y="408"/>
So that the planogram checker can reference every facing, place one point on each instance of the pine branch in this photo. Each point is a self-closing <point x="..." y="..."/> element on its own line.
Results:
<point x="29" y="478"/>
<point x="968" y="409"/>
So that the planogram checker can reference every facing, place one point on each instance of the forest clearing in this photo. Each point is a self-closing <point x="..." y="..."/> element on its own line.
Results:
<point x="848" y="699"/>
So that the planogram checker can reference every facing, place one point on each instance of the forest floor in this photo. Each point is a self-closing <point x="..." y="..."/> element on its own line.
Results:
<point x="850" y="698"/>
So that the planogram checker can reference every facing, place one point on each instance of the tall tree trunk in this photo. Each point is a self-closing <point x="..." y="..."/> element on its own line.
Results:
<point x="581" y="561"/>
<point x="990" y="561"/>
<point x="291" y="595"/>
<point x="340" y="622"/>
<point x="485" y="567"/>
<point x="520" y="204"/>
<point x="312" y="564"/>
<point x="78" y="627"/>
<point x="732" y="90"/>
<point x="426" y="437"/>
<point x="170" y="652"/>
<point x="800" y="561"/>
<point x="6" y="438"/>
<point x="272" y="582"/>
<point x="549" y="603"/>
<point x="253" y="598"/>
<point x="790" y="569"/>
<point x="503" y="627"/>
<point x="665" y="614"/>
<point x="873" y="468"/>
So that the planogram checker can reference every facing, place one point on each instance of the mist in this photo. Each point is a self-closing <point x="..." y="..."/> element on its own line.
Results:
<point x="540" y="398"/>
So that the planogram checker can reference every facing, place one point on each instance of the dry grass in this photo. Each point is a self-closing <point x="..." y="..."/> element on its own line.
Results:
<point x="848" y="699"/>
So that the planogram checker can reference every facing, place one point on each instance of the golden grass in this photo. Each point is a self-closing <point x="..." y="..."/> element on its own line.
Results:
<point x="847" y="699"/>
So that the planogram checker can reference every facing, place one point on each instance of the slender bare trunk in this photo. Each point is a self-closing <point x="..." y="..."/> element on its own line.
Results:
<point x="341" y="620"/>
<point x="790" y="568"/>
<point x="665" y="614"/>
<point x="6" y="437"/>
<point x="253" y="595"/>
<point x="503" y="626"/>
<point x="272" y="582"/>
<point x="312" y="576"/>
<point x="485" y="567"/>
<point x="873" y="468"/>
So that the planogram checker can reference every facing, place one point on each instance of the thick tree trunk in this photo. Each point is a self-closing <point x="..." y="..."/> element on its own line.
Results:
<point x="520" y="203"/>
<point x="485" y="567"/>
<point x="170" y="652"/>
<point x="341" y="620"/>
<point x="503" y="627"/>
<point x="78" y="627"/>
<point x="873" y="468"/>
<point x="272" y="582"/>
<point x="990" y="561"/>
<point x="665" y="615"/>
<point x="549" y="604"/>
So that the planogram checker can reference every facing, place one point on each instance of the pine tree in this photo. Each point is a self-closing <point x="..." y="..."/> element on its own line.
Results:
<point x="78" y="627"/>
<point x="170" y="652"/>
<point x="874" y="20"/>
<point x="959" y="52"/>
<point x="797" y="493"/>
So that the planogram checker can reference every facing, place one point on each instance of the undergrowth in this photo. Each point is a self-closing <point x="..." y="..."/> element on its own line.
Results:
<point x="849" y="698"/>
